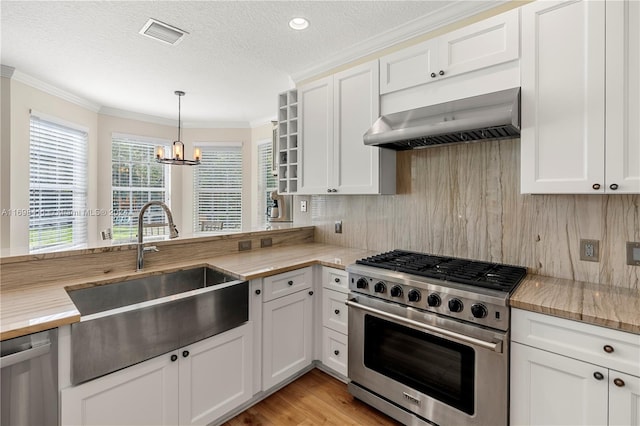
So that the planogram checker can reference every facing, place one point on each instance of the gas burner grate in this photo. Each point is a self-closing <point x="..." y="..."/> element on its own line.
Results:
<point x="464" y="271"/>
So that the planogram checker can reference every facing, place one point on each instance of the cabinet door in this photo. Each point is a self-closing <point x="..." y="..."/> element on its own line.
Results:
<point x="623" y="97"/>
<point x="408" y="67"/>
<point x="550" y="389"/>
<point x="216" y="375"/>
<point x="624" y="399"/>
<point x="356" y="95"/>
<point x="489" y="42"/>
<point x="316" y="143"/>
<point x="143" y="394"/>
<point x="562" y="98"/>
<point x="287" y="337"/>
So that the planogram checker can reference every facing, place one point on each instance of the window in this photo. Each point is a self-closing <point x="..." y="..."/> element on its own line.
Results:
<point x="266" y="181"/>
<point x="217" y="189"/>
<point x="136" y="178"/>
<point x="57" y="186"/>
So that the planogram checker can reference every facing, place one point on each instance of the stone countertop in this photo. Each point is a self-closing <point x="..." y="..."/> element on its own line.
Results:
<point x="38" y="307"/>
<point x="606" y="306"/>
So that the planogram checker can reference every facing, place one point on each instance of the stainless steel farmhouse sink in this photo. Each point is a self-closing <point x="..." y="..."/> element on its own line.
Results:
<point x="124" y="323"/>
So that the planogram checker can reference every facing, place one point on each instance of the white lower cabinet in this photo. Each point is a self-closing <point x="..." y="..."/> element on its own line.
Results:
<point x="551" y="389"/>
<point x="335" y="324"/>
<point x="565" y="372"/>
<point x="287" y="336"/>
<point x="193" y="385"/>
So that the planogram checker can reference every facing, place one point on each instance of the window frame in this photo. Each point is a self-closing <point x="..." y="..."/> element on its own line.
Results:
<point x="217" y="225"/>
<point x="154" y="215"/>
<point x="77" y="155"/>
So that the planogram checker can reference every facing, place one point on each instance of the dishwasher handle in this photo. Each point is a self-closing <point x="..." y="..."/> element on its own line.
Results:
<point x="25" y="355"/>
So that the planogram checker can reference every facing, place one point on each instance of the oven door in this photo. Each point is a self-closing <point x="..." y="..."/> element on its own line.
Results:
<point x="440" y="369"/>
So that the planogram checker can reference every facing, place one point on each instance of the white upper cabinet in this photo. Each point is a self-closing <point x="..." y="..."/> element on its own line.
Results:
<point x="573" y="65"/>
<point x="623" y="96"/>
<point x="480" y="45"/>
<point x="316" y="125"/>
<point x="336" y="112"/>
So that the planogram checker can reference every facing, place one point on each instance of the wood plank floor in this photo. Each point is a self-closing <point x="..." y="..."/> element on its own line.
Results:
<point x="314" y="399"/>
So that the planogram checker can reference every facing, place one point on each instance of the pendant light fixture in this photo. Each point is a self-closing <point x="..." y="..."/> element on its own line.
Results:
<point x="177" y="150"/>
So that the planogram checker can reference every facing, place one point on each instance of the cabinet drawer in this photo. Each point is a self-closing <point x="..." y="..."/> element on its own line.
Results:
<point x="334" y="350"/>
<point x="335" y="279"/>
<point x="334" y="310"/>
<point x="609" y="348"/>
<point x="286" y="283"/>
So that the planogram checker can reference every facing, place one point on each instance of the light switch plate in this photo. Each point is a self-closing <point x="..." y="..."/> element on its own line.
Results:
<point x="303" y="205"/>
<point x="633" y="253"/>
<point x="244" y="245"/>
<point x="590" y="250"/>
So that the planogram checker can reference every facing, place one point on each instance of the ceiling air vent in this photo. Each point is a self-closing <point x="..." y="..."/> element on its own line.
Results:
<point x="162" y="32"/>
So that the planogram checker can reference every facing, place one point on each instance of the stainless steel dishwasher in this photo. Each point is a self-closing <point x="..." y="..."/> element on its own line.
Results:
<point x="29" y="378"/>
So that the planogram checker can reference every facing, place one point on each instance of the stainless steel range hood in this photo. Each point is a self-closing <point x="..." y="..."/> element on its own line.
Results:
<point x="491" y="116"/>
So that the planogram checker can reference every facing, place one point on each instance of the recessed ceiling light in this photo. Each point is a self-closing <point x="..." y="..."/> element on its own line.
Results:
<point x="299" y="23"/>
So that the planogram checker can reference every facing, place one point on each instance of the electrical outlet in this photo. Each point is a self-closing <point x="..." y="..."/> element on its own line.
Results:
<point x="338" y="227"/>
<point x="590" y="250"/>
<point x="265" y="242"/>
<point x="303" y="205"/>
<point x="244" y="245"/>
<point x="633" y="253"/>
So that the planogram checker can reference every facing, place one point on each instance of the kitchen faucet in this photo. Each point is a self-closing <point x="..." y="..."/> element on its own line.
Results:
<point x="173" y="231"/>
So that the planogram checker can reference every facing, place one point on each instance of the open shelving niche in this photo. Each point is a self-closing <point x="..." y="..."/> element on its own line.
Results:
<point x="288" y="142"/>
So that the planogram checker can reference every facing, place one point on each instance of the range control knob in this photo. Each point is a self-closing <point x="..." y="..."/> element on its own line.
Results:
<point x="478" y="310"/>
<point x="434" y="300"/>
<point x="362" y="283"/>
<point x="455" y="305"/>
<point x="396" y="291"/>
<point x="414" y="296"/>
<point x="379" y="287"/>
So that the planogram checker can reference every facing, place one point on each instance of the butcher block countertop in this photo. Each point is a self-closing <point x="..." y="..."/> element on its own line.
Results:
<point x="35" y="307"/>
<point x="606" y="306"/>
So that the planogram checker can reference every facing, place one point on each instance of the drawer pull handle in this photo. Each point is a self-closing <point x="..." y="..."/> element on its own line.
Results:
<point x="596" y="186"/>
<point x="337" y="311"/>
<point x="336" y="352"/>
<point x="608" y="348"/>
<point x="613" y="186"/>
<point x="311" y="293"/>
<point x="618" y="382"/>
<point x="174" y="358"/>
<point x="441" y="72"/>
<point x="598" y="375"/>
<point x="337" y="280"/>
<point x="290" y="282"/>
<point x="185" y="354"/>
<point x="258" y="291"/>
<point x="433" y="75"/>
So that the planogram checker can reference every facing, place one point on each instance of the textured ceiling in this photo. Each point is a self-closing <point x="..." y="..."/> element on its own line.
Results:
<point x="237" y="57"/>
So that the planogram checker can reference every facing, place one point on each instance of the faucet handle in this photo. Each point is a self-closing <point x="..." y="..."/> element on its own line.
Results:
<point x="173" y="233"/>
<point x="150" y="248"/>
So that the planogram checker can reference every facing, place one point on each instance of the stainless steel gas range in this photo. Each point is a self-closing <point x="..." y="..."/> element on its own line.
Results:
<point x="429" y="337"/>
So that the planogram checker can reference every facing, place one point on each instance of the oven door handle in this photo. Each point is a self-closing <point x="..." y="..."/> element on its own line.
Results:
<point x="492" y="346"/>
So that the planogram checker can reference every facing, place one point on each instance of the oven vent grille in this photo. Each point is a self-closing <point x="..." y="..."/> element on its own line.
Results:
<point x="162" y="32"/>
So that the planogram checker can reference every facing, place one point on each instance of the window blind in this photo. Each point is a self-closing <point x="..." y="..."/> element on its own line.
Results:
<point x="267" y="182"/>
<point x="57" y="186"/>
<point x="217" y="189"/>
<point x="136" y="178"/>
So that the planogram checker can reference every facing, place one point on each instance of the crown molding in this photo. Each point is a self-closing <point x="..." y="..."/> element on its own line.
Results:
<point x="259" y="122"/>
<point x="55" y="91"/>
<point x="6" y="71"/>
<point x="130" y="115"/>
<point x="447" y="15"/>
